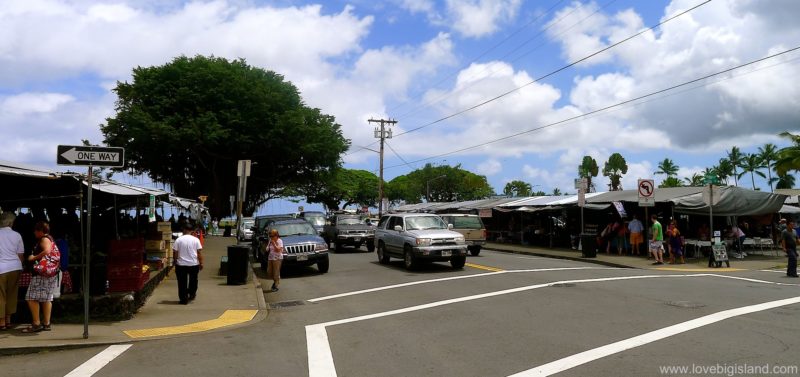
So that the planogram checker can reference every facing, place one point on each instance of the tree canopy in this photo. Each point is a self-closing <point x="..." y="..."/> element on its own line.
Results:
<point x="343" y="187"/>
<point x="518" y="188"/>
<point x="445" y="184"/>
<point x="615" y="167"/>
<point x="588" y="169"/>
<point x="188" y="122"/>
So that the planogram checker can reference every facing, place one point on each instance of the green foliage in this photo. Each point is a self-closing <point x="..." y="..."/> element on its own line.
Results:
<point x="557" y="191"/>
<point x="768" y="153"/>
<point x="752" y="163"/>
<point x="614" y="168"/>
<point x="517" y="188"/>
<point x="735" y="156"/>
<point x="785" y="181"/>
<point x="788" y="157"/>
<point x="188" y="122"/>
<point x="343" y="187"/>
<point x="668" y="168"/>
<point x="588" y="169"/>
<point x="671" y="182"/>
<point x="446" y="184"/>
<point x="696" y="180"/>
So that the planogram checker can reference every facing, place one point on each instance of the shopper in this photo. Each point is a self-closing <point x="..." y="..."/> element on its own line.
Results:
<point x="675" y="243"/>
<point x="789" y="246"/>
<point x="41" y="288"/>
<point x="12" y="252"/>
<point x="657" y="240"/>
<point x="275" y="258"/>
<point x="636" y="228"/>
<point x="188" y="259"/>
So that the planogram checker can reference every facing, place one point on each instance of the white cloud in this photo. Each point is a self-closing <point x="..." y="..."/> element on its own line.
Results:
<point x="476" y="18"/>
<point x="32" y="103"/>
<point x="489" y="167"/>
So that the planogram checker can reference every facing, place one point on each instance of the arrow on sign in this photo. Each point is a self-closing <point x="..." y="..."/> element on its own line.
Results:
<point x="73" y="155"/>
<point x="89" y="155"/>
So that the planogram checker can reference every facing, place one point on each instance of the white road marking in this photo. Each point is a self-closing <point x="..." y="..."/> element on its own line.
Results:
<point x="610" y="349"/>
<point x="754" y="280"/>
<point x="353" y="293"/>
<point x="91" y="366"/>
<point x="778" y="271"/>
<point x="320" y="357"/>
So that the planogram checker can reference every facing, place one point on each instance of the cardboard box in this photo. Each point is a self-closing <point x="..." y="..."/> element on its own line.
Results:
<point x="154" y="245"/>
<point x="164" y="226"/>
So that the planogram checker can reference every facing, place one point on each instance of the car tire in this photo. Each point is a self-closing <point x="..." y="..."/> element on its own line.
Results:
<point x="383" y="258"/>
<point x="409" y="261"/>
<point x="474" y="250"/>
<point x="370" y="246"/>
<point x="337" y="246"/>
<point x="323" y="265"/>
<point x="458" y="262"/>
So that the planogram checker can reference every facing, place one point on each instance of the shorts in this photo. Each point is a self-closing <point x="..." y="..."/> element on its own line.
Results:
<point x="637" y="237"/>
<point x="656" y="246"/>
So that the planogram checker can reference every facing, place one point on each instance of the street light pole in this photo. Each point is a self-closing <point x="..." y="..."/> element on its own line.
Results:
<point x="382" y="134"/>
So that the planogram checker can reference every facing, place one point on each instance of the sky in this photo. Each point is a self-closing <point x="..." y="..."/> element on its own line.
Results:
<point x="500" y="87"/>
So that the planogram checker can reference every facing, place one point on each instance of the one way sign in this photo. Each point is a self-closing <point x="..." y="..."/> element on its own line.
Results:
<point x="79" y="155"/>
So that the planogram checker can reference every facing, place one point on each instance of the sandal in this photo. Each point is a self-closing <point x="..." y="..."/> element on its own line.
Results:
<point x="46" y="327"/>
<point x="33" y="329"/>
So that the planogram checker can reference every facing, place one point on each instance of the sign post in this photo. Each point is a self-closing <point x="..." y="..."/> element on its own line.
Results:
<point x="711" y="197"/>
<point x="582" y="184"/>
<point x="242" y="171"/>
<point x="89" y="156"/>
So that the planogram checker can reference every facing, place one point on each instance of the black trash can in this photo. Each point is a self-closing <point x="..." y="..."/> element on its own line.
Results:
<point x="238" y="264"/>
<point x="589" y="245"/>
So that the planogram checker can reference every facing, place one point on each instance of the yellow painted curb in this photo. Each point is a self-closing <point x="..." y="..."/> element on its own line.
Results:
<point x="480" y="267"/>
<point x="230" y="317"/>
<point x="721" y="269"/>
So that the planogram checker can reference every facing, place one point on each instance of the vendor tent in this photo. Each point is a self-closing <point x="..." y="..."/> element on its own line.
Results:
<point x="733" y="201"/>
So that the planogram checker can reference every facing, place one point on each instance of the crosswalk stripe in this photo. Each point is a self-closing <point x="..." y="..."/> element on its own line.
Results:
<point x="91" y="366"/>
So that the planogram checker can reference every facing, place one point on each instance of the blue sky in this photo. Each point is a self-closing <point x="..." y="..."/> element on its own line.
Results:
<point x="420" y="61"/>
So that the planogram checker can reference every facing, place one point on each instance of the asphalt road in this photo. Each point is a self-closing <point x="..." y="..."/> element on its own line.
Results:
<point x="503" y="314"/>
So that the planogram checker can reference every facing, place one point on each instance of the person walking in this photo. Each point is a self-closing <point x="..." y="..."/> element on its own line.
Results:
<point x="40" y="290"/>
<point x="636" y="228"/>
<point x="188" y="259"/>
<point x="789" y="246"/>
<point x="675" y="242"/>
<point x="275" y="258"/>
<point x="657" y="241"/>
<point x="12" y="252"/>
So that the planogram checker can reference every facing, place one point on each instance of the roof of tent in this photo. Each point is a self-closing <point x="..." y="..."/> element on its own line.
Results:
<point x="733" y="201"/>
<point x="661" y="195"/>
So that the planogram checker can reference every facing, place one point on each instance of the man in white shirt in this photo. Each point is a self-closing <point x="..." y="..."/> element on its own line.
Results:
<point x="188" y="261"/>
<point x="11" y="253"/>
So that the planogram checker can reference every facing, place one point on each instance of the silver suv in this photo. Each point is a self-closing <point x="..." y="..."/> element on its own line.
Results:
<point x="418" y="237"/>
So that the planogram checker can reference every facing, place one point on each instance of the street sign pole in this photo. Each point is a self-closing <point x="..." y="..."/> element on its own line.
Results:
<point x="87" y="257"/>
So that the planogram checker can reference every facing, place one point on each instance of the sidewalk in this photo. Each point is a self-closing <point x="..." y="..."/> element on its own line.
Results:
<point x="218" y="306"/>
<point x="751" y="262"/>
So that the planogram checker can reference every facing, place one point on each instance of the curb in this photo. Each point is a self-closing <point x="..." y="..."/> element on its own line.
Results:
<point x="577" y="259"/>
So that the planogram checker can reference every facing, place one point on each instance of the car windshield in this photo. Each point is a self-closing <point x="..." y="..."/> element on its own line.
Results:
<point x="295" y="229"/>
<point x="315" y="218"/>
<point x="424" y="222"/>
<point x="464" y="222"/>
<point x="349" y="221"/>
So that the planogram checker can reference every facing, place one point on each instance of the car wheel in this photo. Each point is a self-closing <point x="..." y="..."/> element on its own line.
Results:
<point x="337" y="246"/>
<point x="475" y="250"/>
<point x="458" y="262"/>
<point x="357" y="246"/>
<point x="383" y="258"/>
<point x="370" y="246"/>
<point x="323" y="265"/>
<point x="408" y="259"/>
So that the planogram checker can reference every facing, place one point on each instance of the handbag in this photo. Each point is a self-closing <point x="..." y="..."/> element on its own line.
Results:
<point x="49" y="265"/>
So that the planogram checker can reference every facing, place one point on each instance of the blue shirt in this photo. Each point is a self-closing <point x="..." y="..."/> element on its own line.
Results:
<point x="635" y="226"/>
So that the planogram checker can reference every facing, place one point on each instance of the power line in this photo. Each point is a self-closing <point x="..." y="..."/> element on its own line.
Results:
<point x="398" y="156"/>
<point x="651" y="94"/>
<point x="556" y="71"/>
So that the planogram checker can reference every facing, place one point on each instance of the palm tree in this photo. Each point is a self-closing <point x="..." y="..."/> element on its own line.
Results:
<point x="696" y="180"/>
<point x="588" y="169"/>
<point x="668" y="168"/>
<point x="671" y="182"/>
<point x="557" y="191"/>
<point x="724" y="169"/>
<point x="517" y="188"/>
<point x="751" y="163"/>
<point x="614" y="168"/>
<point x="785" y="181"/>
<point x="768" y="153"/>
<point x="789" y="157"/>
<point x="735" y="157"/>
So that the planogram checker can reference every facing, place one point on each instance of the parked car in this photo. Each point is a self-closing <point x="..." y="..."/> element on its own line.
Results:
<point x="316" y="218"/>
<point x="245" y="232"/>
<point x="417" y="238"/>
<point x="301" y="245"/>
<point x="350" y="230"/>
<point x="471" y="227"/>
<point x="260" y="230"/>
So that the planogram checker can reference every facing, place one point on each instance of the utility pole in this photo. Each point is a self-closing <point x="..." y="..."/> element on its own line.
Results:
<point x="382" y="133"/>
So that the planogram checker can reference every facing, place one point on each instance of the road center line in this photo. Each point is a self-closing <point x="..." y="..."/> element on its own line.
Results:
<point x="353" y="293"/>
<point x="91" y="366"/>
<point x="623" y="345"/>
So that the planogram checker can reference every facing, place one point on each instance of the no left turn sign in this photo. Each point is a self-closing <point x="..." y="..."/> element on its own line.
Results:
<point x="646" y="188"/>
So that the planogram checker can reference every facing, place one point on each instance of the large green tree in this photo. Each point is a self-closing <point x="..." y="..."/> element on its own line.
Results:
<point x="735" y="156"/>
<point x="187" y="123"/>
<point x="614" y="168"/>
<point x="343" y="187"/>
<point x="517" y="188"/>
<point x="788" y="157"/>
<point x="668" y="168"/>
<point x="785" y="181"/>
<point x="588" y="169"/>
<point x="768" y="154"/>
<point x="446" y="184"/>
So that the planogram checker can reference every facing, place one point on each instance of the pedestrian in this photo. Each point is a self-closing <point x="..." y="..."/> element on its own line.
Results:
<point x="12" y="252"/>
<point x="621" y="233"/>
<point x="636" y="228"/>
<point x="789" y="246"/>
<point x="41" y="288"/>
<point x="214" y="227"/>
<point x="675" y="242"/>
<point x="657" y="241"/>
<point x="188" y="259"/>
<point x="275" y="258"/>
